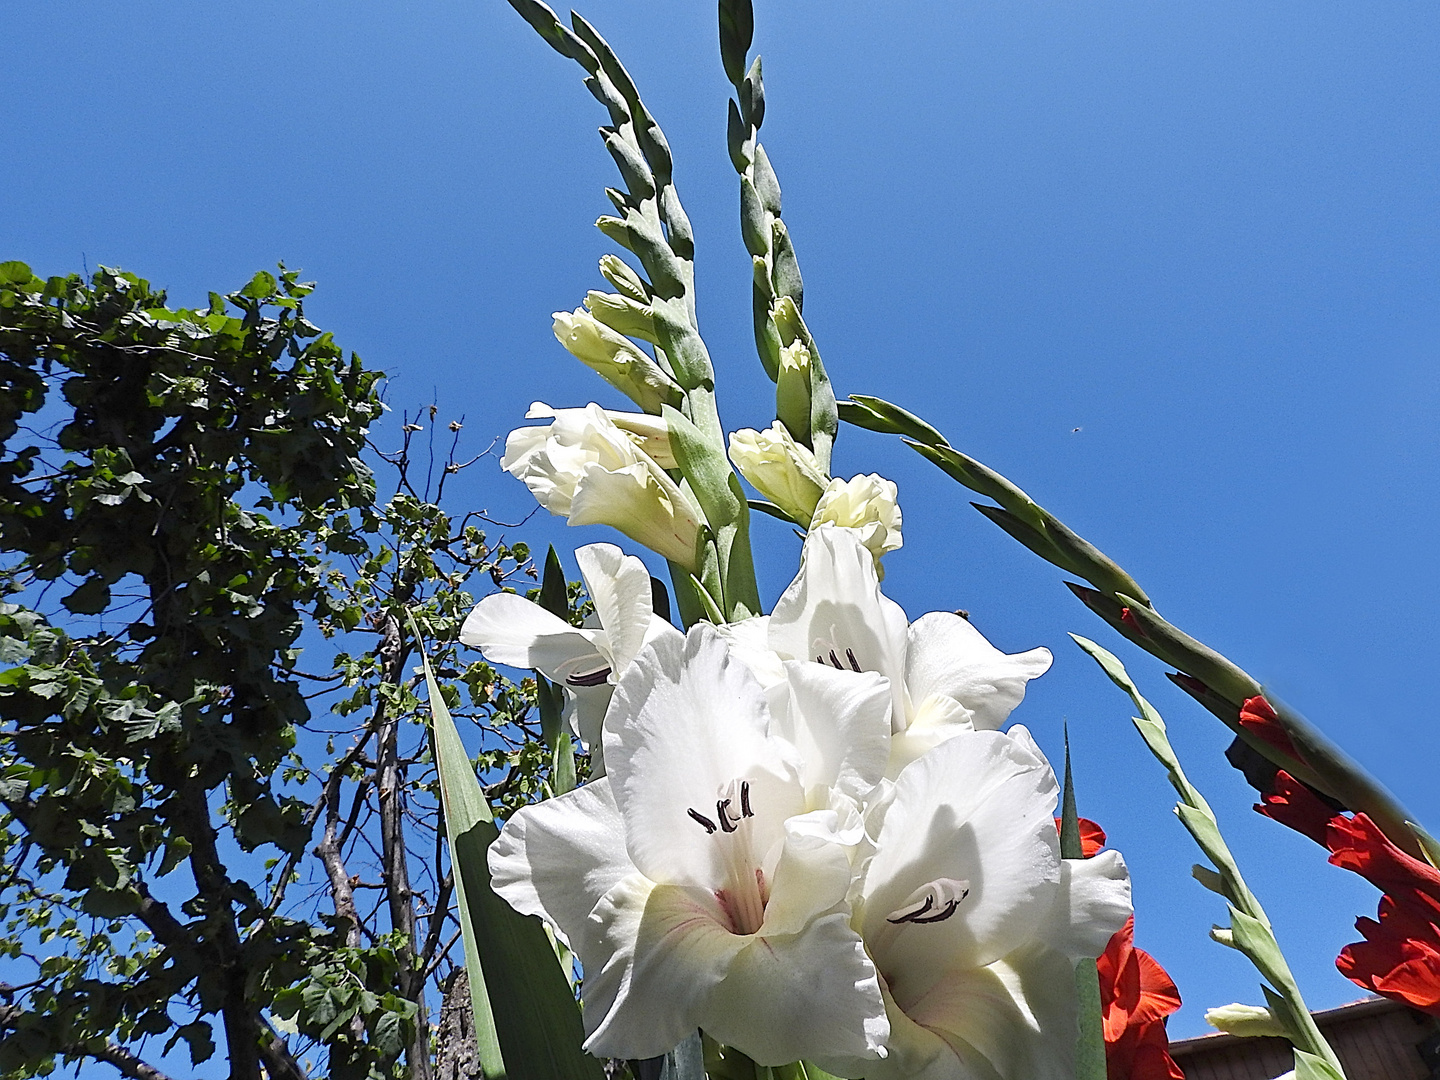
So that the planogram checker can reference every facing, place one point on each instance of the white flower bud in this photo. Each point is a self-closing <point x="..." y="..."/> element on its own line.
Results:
<point x="1245" y="1020"/>
<point x="868" y="504"/>
<point x="781" y="469"/>
<point x="617" y="359"/>
<point x="584" y="467"/>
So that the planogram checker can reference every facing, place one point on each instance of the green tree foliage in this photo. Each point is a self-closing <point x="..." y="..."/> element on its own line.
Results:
<point x="207" y="839"/>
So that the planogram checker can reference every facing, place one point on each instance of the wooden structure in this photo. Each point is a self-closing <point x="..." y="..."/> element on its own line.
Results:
<point x="1375" y="1039"/>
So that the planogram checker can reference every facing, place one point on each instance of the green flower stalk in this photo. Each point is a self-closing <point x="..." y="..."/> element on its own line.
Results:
<point x="1213" y="680"/>
<point x="658" y="307"/>
<point x="805" y="400"/>
<point x="1249" y="931"/>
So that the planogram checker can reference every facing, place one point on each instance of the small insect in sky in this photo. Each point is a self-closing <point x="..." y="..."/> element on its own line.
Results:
<point x="1073" y="430"/>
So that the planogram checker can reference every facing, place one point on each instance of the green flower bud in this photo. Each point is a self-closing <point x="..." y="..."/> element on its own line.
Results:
<point x="792" y="389"/>
<point x="623" y="315"/>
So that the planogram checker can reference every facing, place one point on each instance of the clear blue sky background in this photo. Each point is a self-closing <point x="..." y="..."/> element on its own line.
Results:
<point x="1202" y="234"/>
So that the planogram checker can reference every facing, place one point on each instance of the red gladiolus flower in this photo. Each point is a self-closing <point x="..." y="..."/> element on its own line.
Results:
<point x="1400" y="956"/>
<point x="1136" y="995"/>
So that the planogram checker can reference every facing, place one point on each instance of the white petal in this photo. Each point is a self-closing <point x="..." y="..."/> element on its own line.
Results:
<point x="978" y="809"/>
<point x="911" y="1053"/>
<point x="585" y="708"/>
<point x="935" y="719"/>
<point x="643" y="503"/>
<point x="619" y="586"/>
<point x="557" y="858"/>
<point x="688" y="720"/>
<point x="1093" y="903"/>
<point x="840" y="723"/>
<point x="652" y="954"/>
<point x="801" y="995"/>
<point x="812" y="876"/>
<point x="948" y="656"/>
<point x="1017" y="1017"/>
<point x="834" y="612"/>
<point x="511" y="630"/>
<point x="658" y="628"/>
<point x="749" y="641"/>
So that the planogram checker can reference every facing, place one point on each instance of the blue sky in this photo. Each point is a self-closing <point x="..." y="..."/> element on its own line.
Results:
<point x="1170" y="267"/>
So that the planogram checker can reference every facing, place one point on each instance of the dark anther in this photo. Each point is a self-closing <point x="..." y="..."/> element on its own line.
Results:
<point x="942" y="915"/>
<point x="912" y="916"/>
<point x="854" y="664"/>
<point x="722" y="811"/>
<point x="922" y="914"/>
<point x="703" y="821"/>
<point x="590" y="678"/>
<point x="745" y="810"/>
<point x="836" y="661"/>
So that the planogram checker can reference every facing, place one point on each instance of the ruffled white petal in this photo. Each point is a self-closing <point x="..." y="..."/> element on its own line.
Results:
<point x="976" y="809"/>
<point x="935" y="719"/>
<point x="947" y="656"/>
<point x="834" y="612"/>
<point x="687" y="721"/>
<point x="585" y="708"/>
<point x="800" y="995"/>
<point x="750" y="644"/>
<point x="511" y="630"/>
<point x="1092" y="904"/>
<point x="556" y="859"/>
<point x="812" y="875"/>
<point x="619" y="586"/>
<point x="839" y="721"/>
<point x="652" y="955"/>
<point x="1016" y="1019"/>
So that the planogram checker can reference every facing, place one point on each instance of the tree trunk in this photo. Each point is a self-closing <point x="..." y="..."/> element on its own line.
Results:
<point x="457" y="1058"/>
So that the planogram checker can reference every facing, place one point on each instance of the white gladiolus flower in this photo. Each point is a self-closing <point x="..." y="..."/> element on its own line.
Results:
<point x="616" y="359"/>
<point x="703" y="882"/>
<point x="587" y="661"/>
<point x="945" y="678"/>
<point x="584" y="467"/>
<point x="870" y="505"/>
<point x="779" y="468"/>
<point x="650" y="433"/>
<point x="975" y="922"/>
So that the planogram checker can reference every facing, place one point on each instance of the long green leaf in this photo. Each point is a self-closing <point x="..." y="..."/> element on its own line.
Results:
<point x="527" y="1023"/>
<point x="1090" y="1046"/>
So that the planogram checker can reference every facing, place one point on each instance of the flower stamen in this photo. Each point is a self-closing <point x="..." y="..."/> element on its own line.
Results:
<point x="701" y="820"/>
<point x="588" y="678"/>
<point x="933" y="902"/>
<point x="837" y="665"/>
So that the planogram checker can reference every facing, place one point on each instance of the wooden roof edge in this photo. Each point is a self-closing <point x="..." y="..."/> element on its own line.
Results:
<point x="1352" y="1010"/>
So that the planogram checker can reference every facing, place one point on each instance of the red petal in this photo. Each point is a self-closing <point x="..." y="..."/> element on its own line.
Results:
<point x="1257" y="716"/>
<point x="1358" y="844"/>
<point x="1297" y="807"/>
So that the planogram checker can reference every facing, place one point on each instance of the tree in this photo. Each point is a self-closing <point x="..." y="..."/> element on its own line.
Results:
<point x="205" y="835"/>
